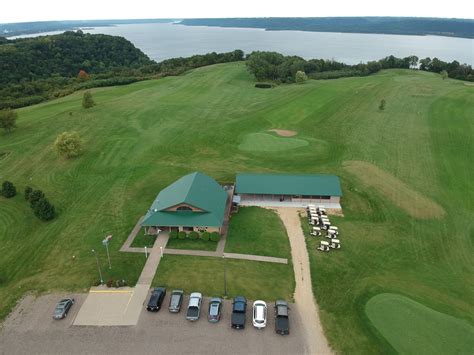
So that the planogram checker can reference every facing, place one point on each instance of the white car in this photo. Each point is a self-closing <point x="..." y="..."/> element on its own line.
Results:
<point x="259" y="314"/>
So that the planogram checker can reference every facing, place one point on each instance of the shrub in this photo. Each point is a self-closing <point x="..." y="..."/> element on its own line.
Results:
<point x="174" y="234"/>
<point x="87" y="100"/>
<point x="263" y="85"/>
<point x="215" y="236"/>
<point x="205" y="236"/>
<point x="35" y="196"/>
<point x="300" y="76"/>
<point x="193" y="235"/>
<point x="382" y="105"/>
<point x="110" y="283"/>
<point x="68" y="144"/>
<point x="44" y="210"/>
<point x="8" y="189"/>
<point x="28" y="191"/>
<point x="182" y="235"/>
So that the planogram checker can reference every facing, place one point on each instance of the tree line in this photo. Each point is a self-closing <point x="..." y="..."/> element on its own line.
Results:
<point x="275" y="67"/>
<point x="37" y="69"/>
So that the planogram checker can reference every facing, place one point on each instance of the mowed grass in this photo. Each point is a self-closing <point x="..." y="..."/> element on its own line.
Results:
<point x="189" y="244"/>
<point x="413" y="328"/>
<point x="141" y="137"/>
<point x="257" y="231"/>
<point x="252" y="279"/>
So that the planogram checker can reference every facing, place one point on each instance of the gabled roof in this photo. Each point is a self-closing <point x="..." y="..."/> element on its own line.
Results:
<point x="286" y="184"/>
<point x="195" y="189"/>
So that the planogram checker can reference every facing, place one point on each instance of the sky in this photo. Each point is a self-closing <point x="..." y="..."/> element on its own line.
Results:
<point x="46" y="10"/>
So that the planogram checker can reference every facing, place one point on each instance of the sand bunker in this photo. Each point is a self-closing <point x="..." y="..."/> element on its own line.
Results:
<point x="283" y="132"/>
<point x="402" y="195"/>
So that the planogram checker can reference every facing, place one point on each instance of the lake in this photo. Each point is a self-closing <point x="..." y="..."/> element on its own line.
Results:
<point x="166" y="40"/>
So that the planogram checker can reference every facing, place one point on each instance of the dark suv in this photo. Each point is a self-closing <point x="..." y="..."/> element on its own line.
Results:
<point x="156" y="299"/>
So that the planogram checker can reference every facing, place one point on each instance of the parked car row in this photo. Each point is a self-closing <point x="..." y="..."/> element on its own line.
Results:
<point x="214" y="313"/>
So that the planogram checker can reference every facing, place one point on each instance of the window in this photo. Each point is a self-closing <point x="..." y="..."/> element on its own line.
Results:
<point x="184" y="208"/>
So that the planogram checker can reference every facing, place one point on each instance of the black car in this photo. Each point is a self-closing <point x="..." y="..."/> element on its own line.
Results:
<point x="62" y="308"/>
<point x="156" y="299"/>
<point x="239" y="307"/>
<point x="282" y="324"/>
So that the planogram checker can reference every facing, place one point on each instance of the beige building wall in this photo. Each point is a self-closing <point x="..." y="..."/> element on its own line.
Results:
<point x="203" y="229"/>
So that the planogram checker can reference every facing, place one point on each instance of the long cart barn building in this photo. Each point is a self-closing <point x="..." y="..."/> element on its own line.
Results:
<point x="275" y="190"/>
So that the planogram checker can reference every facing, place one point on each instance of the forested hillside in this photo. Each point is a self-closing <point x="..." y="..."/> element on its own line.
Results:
<point x="64" y="55"/>
<point x="389" y="25"/>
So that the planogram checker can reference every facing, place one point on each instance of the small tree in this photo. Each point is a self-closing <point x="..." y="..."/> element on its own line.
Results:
<point x="300" y="76"/>
<point x="8" y="189"/>
<point x="444" y="74"/>
<point x="174" y="234"/>
<point x="87" y="100"/>
<point x="382" y="105"/>
<point x="28" y="191"/>
<point x="34" y="197"/>
<point x="68" y="144"/>
<point x="44" y="210"/>
<point x="82" y="76"/>
<point x="8" y="119"/>
<point x="215" y="236"/>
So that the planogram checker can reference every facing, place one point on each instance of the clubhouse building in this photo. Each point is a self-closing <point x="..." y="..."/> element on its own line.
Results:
<point x="196" y="202"/>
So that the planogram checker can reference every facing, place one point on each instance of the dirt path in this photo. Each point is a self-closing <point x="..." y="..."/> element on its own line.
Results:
<point x="304" y="298"/>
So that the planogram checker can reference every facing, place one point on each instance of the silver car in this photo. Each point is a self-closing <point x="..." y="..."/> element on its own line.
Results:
<point x="62" y="308"/>
<point x="215" y="310"/>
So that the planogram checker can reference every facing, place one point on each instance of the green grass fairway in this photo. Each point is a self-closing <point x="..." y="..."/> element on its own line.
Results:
<point x="199" y="244"/>
<point x="412" y="328"/>
<point x="252" y="279"/>
<point x="264" y="142"/>
<point x="141" y="137"/>
<point x="257" y="231"/>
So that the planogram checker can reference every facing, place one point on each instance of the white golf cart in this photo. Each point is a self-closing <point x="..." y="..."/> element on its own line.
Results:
<point x="323" y="246"/>
<point x="316" y="231"/>
<point x="335" y="244"/>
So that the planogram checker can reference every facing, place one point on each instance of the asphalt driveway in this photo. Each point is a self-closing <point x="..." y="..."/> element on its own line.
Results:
<point x="31" y="329"/>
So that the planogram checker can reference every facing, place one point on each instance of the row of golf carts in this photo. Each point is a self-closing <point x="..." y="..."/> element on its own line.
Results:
<point x="319" y="223"/>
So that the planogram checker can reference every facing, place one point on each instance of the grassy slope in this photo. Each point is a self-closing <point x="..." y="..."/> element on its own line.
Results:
<point x="189" y="244"/>
<point x="141" y="137"/>
<point x="252" y="279"/>
<point x="257" y="231"/>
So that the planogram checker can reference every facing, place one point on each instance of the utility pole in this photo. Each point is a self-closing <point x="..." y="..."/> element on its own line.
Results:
<point x="98" y="267"/>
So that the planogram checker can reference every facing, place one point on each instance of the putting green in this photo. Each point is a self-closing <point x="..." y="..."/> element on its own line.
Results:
<point x="412" y="328"/>
<point x="263" y="142"/>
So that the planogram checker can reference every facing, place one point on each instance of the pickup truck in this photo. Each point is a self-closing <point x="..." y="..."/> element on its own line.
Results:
<point x="194" y="306"/>
<point x="239" y="306"/>
<point x="282" y="324"/>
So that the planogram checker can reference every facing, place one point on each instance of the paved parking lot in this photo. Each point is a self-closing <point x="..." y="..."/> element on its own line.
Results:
<point x="31" y="329"/>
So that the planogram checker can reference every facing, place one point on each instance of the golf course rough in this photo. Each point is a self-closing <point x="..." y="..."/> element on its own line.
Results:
<point x="412" y="328"/>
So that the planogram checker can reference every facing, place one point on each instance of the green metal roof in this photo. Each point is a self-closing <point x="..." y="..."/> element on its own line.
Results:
<point x="285" y="184"/>
<point x="197" y="190"/>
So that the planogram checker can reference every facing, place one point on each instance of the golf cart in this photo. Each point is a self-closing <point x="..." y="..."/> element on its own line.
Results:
<point x="323" y="246"/>
<point x="331" y="233"/>
<point x="335" y="244"/>
<point x="316" y="231"/>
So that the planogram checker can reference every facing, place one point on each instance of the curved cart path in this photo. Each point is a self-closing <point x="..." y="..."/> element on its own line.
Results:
<point x="304" y="298"/>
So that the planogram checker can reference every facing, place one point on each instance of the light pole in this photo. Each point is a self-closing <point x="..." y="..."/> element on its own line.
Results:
<point x="225" y="277"/>
<point x="98" y="266"/>
<point x="105" y="242"/>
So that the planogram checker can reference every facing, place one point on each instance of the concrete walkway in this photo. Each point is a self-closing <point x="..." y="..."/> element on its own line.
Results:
<point x="120" y="307"/>
<point x="268" y="259"/>
<point x="304" y="298"/>
<point x="127" y="245"/>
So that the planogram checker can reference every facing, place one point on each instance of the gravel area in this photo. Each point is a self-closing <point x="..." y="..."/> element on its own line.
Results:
<point x="31" y="329"/>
